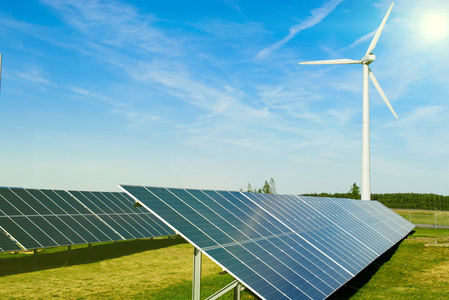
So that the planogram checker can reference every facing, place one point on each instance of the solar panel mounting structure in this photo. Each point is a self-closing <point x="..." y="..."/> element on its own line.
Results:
<point x="278" y="246"/>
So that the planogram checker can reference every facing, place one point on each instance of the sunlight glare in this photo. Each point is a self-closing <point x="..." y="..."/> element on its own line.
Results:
<point x="435" y="26"/>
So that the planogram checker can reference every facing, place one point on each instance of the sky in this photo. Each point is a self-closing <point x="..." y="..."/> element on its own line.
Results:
<point x="210" y="95"/>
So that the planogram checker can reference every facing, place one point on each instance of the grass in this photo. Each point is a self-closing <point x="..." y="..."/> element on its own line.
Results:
<point x="424" y="216"/>
<point x="416" y="268"/>
<point x="141" y="269"/>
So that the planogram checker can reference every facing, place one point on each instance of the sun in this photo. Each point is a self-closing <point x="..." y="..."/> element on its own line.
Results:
<point x="435" y="26"/>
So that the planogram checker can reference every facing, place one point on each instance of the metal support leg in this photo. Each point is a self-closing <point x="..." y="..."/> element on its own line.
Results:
<point x="235" y="285"/>
<point x="69" y="248"/>
<point x="90" y="247"/>
<point x="237" y="290"/>
<point x="196" y="282"/>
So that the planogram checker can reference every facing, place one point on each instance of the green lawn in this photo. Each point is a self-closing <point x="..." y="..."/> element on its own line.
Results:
<point x="162" y="269"/>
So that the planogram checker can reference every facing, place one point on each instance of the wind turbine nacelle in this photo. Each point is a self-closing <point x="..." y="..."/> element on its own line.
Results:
<point x="367" y="59"/>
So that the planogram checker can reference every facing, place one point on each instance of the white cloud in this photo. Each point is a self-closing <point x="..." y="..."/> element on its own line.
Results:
<point x="317" y="15"/>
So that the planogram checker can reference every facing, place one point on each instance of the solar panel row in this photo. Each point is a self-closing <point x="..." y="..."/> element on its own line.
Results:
<point x="116" y="210"/>
<point x="279" y="246"/>
<point x="49" y="218"/>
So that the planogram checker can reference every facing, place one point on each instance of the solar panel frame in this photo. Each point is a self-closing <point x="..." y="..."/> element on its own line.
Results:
<point x="244" y="254"/>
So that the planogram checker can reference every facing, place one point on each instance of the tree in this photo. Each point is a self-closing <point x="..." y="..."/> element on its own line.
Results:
<point x="272" y="186"/>
<point x="268" y="188"/>
<point x="249" y="189"/>
<point x="355" y="192"/>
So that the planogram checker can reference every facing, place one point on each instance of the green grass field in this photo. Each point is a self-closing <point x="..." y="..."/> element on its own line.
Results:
<point x="424" y="216"/>
<point x="162" y="269"/>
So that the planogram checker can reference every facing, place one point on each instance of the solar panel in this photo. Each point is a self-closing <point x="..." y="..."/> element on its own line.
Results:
<point x="279" y="246"/>
<point x="46" y="218"/>
<point x="7" y="245"/>
<point x="117" y="211"/>
<point x="87" y="220"/>
<point x="153" y="227"/>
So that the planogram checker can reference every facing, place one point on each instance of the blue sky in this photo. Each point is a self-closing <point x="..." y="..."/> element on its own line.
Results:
<point x="209" y="94"/>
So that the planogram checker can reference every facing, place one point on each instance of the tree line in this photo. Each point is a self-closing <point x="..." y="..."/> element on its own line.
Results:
<point x="391" y="200"/>
<point x="400" y="200"/>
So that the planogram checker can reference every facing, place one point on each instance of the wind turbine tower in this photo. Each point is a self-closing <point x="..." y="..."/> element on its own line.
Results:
<point x="365" y="61"/>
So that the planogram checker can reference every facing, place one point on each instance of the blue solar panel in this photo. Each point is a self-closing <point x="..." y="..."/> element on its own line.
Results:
<point x="116" y="210"/>
<point x="46" y="218"/>
<point x="279" y="246"/>
<point x="32" y="218"/>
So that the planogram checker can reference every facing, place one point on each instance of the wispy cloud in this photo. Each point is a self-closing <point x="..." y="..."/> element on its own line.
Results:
<point x="317" y="15"/>
<point x="429" y="114"/>
<point x="35" y="75"/>
<point x="115" y="24"/>
<point x="115" y="32"/>
<point x="360" y="40"/>
<point x="214" y="101"/>
<point x="93" y="95"/>
<point x="232" y="4"/>
<point x="136" y="115"/>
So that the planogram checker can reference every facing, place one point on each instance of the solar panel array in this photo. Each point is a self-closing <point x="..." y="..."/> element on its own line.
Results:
<point x="116" y="210"/>
<point x="279" y="246"/>
<point x="32" y="219"/>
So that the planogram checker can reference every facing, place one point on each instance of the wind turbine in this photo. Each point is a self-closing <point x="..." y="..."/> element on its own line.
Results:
<point x="365" y="61"/>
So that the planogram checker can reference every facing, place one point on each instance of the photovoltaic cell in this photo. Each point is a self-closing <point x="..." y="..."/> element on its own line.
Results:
<point x="33" y="218"/>
<point x="279" y="246"/>
<point x="116" y="210"/>
<point x="7" y="245"/>
<point x="147" y="220"/>
<point x="46" y="218"/>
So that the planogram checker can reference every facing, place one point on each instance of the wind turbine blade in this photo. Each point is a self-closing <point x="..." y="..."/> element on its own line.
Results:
<point x="379" y="31"/>
<point x="343" y="61"/>
<point x="379" y="89"/>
